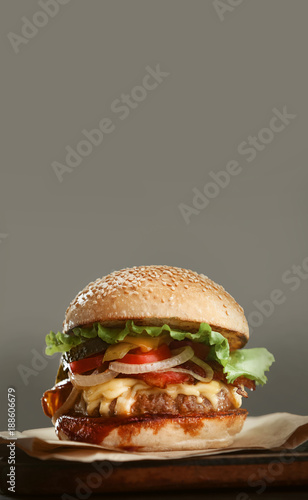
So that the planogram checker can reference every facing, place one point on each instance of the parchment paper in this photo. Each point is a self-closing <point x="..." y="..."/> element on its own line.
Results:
<point x="273" y="431"/>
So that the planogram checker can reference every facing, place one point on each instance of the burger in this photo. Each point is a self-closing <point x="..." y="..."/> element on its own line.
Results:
<point x="152" y="360"/>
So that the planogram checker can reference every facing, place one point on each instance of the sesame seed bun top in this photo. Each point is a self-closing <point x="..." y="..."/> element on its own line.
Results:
<point x="154" y="295"/>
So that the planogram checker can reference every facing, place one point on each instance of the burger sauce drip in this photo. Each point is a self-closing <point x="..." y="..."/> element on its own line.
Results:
<point x="54" y="398"/>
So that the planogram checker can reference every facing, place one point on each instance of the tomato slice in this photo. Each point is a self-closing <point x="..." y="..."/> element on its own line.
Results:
<point x="163" y="379"/>
<point x="200" y="350"/>
<point x="137" y="357"/>
<point x="87" y="364"/>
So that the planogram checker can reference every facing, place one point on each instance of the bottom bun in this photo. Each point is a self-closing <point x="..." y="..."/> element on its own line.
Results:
<point x="154" y="432"/>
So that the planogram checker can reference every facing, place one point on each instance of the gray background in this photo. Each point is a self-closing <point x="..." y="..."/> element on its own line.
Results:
<point x="120" y="206"/>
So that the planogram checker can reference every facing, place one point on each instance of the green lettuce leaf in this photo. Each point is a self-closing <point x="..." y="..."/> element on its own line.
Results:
<point x="219" y="347"/>
<point x="61" y="342"/>
<point x="250" y="363"/>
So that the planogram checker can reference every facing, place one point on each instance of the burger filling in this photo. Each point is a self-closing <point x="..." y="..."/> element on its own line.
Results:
<point x="133" y="397"/>
<point x="140" y="370"/>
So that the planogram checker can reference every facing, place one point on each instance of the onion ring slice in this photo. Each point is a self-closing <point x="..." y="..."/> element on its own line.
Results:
<point x="178" y="357"/>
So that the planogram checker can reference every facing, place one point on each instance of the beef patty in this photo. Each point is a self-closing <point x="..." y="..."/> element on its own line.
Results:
<point x="162" y="403"/>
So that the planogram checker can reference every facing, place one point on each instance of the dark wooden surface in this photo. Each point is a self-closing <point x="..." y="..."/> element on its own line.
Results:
<point x="226" y="494"/>
<point x="245" y="474"/>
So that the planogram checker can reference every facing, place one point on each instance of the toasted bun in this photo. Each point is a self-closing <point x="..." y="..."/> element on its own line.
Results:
<point x="154" y="295"/>
<point x="153" y="432"/>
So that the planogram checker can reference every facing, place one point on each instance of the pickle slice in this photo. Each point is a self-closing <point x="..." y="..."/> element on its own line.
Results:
<point x="87" y="348"/>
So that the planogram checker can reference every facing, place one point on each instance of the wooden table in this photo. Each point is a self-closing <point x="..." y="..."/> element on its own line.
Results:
<point x="248" y="474"/>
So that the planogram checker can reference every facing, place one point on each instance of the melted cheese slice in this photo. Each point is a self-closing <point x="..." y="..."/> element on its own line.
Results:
<point x="125" y="390"/>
